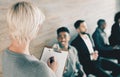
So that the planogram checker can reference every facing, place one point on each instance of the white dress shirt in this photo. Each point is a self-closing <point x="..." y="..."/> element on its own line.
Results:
<point x="89" y="45"/>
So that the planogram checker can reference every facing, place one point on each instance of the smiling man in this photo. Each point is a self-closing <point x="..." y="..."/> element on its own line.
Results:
<point x="72" y="67"/>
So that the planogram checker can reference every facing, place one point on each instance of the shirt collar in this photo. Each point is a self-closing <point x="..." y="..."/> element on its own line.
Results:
<point x="69" y="46"/>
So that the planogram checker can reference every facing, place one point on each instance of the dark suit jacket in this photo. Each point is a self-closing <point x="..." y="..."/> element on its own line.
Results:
<point x="114" y="39"/>
<point x="83" y="53"/>
<point x="99" y="41"/>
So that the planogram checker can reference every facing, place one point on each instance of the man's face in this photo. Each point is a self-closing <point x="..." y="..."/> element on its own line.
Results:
<point x="82" y="28"/>
<point x="104" y="26"/>
<point x="63" y="38"/>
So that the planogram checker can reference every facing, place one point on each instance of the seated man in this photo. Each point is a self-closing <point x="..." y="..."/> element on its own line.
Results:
<point x="102" y="44"/>
<point x="73" y="67"/>
<point x="88" y="57"/>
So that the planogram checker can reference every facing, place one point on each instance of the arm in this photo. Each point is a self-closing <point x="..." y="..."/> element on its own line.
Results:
<point x="78" y="65"/>
<point x="43" y="70"/>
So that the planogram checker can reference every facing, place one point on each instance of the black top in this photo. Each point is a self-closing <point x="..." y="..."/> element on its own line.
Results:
<point x="114" y="39"/>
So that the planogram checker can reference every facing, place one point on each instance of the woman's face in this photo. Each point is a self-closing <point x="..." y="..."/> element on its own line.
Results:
<point x="119" y="20"/>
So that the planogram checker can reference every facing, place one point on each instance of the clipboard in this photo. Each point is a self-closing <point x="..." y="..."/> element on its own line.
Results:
<point x="60" y="57"/>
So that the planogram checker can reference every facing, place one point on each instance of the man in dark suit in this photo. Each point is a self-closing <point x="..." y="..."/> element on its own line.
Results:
<point x="114" y="38"/>
<point x="102" y="44"/>
<point x="88" y="57"/>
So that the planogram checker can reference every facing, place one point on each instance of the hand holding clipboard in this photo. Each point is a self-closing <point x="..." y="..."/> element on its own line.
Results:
<point x="52" y="63"/>
<point x="51" y="56"/>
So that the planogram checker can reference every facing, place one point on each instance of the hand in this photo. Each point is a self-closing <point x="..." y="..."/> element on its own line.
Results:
<point x="116" y="47"/>
<point x="96" y="52"/>
<point x="53" y="64"/>
<point x="65" y="69"/>
<point x="84" y="75"/>
<point x="95" y="55"/>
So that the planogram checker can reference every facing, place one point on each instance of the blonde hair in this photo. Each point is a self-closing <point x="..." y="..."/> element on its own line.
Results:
<point x="24" y="20"/>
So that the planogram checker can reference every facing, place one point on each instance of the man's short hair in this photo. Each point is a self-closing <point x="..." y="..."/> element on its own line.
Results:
<point x="100" y="22"/>
<point x="62" y="29"/>
<point x="77" y="23"/>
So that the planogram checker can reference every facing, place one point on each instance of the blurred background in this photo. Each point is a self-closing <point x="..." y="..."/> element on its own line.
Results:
<point x="60" y="13"/>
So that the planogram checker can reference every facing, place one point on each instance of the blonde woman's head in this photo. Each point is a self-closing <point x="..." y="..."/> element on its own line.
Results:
<point x="24" y="20"/>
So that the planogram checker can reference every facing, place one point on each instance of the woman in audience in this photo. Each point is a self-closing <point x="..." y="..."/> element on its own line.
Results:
<point x="24" y="20"/>
<point x="114" y="38"/>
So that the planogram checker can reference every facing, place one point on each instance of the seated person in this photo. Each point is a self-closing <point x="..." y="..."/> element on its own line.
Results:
<point x="73" y="67"/>
<point x="88" y="57"/>
<point x="24" y="20"/>
<point x="114" y="38"/>
<point x="102" y="44"/>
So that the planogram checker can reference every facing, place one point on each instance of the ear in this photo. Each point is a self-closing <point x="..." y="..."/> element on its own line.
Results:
<point x="69" y="37"/>
<point x="77" y="30"/>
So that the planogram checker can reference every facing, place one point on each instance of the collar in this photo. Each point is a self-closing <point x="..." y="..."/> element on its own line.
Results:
<point x="69" y="46"/>
<point x="100" y="30"/>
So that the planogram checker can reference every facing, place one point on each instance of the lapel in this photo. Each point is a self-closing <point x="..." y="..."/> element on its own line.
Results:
<point x="82" y="44"/>
<point x="91" y="40"/>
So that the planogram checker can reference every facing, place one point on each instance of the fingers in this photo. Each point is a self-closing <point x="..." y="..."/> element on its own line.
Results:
<point x="53" y="65"/>
<point x="48" y="62"/>
<point x="96" y="51"/>
<point x="51" y="60"/>
<point x="95" y="55"/>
